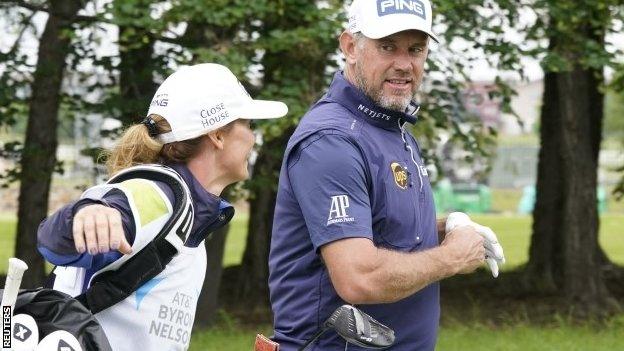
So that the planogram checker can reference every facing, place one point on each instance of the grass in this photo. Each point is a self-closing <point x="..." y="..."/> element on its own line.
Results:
<point x="236" y="240"/>
<point x="513" y="232"/>
<point x="518" y="140"/>
<point x="226" y="338"/>
<point x="505" y="200"/>
<point x="513" y="337"/>
<point x="532" y="338"/>
<point x="7" y="240"/>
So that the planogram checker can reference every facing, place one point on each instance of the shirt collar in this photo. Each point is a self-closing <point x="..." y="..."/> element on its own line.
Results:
<point x="351" y="97"/>
<point x="210" y="211"/>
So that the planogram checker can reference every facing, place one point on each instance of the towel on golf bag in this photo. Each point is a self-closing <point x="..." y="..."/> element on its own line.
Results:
<point x="54" y="310"/>
<point x="265" y="344"/>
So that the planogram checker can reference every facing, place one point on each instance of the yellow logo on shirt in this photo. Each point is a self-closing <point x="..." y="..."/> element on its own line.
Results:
<point x="400" y="175"/>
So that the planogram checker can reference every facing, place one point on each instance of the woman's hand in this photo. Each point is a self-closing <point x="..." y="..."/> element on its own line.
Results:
<point x="98" y="228"/>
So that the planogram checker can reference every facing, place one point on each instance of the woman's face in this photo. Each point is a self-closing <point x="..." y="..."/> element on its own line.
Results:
<point x="238" y="143"/>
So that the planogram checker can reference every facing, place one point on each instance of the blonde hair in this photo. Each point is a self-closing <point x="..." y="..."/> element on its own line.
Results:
<point x="136" y="147"/>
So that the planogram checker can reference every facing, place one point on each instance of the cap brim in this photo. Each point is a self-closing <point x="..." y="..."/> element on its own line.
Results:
<point x="384" y="31"/>
<point x="261" y="109"/>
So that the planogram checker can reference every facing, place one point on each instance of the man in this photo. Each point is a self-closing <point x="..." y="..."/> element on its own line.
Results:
<point x="355" y="219"/>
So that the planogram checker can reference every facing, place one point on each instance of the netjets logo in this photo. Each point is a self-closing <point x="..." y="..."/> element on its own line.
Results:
<point x="338" y="210"/>
<point x="410" y="7"/>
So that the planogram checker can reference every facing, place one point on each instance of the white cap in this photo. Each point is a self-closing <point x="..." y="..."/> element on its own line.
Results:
<point x="380" y="18"/>
<point x="198" y="99"/>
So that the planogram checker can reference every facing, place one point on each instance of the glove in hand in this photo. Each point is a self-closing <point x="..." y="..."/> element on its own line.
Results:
<point x="494" y="255"/>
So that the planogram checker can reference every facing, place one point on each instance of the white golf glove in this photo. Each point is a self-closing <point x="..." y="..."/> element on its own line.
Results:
<point x="494" y="255"/>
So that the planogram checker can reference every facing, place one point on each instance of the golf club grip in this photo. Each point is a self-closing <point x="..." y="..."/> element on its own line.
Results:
<point x="13" y="281"/>
<point x="313" y="339"/>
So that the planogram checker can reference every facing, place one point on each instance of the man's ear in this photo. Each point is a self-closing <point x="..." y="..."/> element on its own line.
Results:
<point x="348" y="46"/>
<point x="216" y="139"/>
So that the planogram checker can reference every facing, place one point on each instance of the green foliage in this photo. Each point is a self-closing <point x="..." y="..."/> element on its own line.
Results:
<point x="282" y="50"/>
<point x="443" y="115"/>
<point x="576" y="30"/>
<point x="15" y="76"/>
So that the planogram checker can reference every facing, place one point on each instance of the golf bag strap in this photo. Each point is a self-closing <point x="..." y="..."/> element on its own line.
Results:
<point x="110" y="287"/>
<point x="115" y="286"/>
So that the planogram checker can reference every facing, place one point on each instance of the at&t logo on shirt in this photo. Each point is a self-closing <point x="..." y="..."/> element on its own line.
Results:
<point x="338" y="210"/>
<point x="410" y="7"/>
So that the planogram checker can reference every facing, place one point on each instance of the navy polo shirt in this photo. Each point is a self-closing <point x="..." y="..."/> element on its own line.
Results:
<point x="347" y="172"/>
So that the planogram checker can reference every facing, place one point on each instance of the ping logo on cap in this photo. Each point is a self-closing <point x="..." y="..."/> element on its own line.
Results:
<point x="410" y="7"/>
<point x="161" y="100"/>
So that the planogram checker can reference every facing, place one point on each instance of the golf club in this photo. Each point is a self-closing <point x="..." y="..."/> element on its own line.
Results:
<point x="59" y="340"/>
<point x="25" y="336"/>
<point x="13" y="281"/>
<point x="11" y="286"/>
<point x="355" y="327"/>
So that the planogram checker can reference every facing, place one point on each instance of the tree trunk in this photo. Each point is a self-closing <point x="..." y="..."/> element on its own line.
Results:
<point x="39" y="154"/>
<point x="545" y="271"/>
<point x="207" y="303"/>
<point x="565" y="257"/>
<point x="582" y="113"/>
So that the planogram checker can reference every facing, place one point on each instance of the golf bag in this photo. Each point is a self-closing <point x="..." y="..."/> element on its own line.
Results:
<point x="55" y="310"/>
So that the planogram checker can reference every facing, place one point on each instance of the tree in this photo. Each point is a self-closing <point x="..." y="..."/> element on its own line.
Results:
<point x="38" y="158"/>
<point x="565" y="257"/>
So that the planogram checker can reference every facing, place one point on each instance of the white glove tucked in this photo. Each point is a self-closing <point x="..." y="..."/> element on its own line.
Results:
<point x="494" y="255"/>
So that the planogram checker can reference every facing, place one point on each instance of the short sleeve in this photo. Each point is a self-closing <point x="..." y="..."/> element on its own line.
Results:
<point x="328" y="178"/>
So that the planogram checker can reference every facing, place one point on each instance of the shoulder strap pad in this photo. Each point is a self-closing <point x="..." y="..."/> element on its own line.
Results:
<point x="182" y="217"/>
<point x="110" y="287"/>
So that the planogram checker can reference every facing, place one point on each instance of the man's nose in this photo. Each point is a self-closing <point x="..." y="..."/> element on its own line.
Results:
<point x="403" y="62"/>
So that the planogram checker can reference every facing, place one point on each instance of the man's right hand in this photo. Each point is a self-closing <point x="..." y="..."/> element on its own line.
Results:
<point x="464" y="249"/>
<point x="99" y="229"/>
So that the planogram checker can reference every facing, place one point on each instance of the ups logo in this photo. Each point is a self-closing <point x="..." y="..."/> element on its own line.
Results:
<point x="400" y="175"/>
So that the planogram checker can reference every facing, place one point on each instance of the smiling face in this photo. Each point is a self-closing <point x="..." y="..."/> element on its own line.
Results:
<point x="388" y="70"/>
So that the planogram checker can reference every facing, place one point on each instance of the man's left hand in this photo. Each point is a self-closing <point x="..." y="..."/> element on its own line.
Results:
<point x="494" y="255"/>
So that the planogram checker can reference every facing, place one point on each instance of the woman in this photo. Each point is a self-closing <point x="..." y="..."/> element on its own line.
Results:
<point x="198" y="126"/>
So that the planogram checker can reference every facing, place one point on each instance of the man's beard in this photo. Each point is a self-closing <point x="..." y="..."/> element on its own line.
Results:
<point x="395" y="103"/>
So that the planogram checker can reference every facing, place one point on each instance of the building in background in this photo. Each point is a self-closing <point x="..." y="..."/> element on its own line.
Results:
<point x="480" y="100"/>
